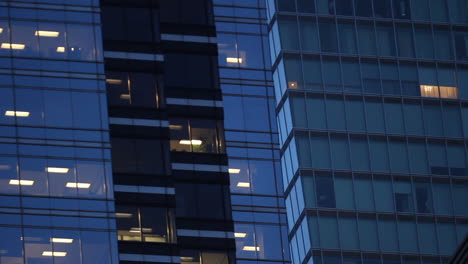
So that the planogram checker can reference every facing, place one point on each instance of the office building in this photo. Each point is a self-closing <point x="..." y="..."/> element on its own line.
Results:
<point x="55" y="173"/>
<point x="371" y="100"/>
<point x="252" y="145"/>
<point x="140" y="89"/>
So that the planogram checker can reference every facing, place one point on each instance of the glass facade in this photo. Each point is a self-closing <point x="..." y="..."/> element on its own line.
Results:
<point x="56" y="195"/>
<point x="371" y="106"/>
<point x="251" y="132"/>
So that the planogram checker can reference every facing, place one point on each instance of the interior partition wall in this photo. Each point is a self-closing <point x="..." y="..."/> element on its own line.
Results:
<point x="372" y="112"/>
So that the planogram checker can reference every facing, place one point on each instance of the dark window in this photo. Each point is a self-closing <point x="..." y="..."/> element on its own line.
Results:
<point x="325" y="191"/>
<point x="344" y="7"/>
<point x="328" y="39"/>
<point x="146" y="224"/>
<point x="382" y="8"/>
<point x="129" y="23"/>
<point x="142" y="156"/>
<point x="135" y="89"/>
<point x="197" y="70"/>
<point x="185" y="12"/>
<point x="201" y="201"/>
<point x="363" y="8"/>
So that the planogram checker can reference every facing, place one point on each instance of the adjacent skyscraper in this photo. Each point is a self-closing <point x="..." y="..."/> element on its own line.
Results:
<point x="371" y="100"/>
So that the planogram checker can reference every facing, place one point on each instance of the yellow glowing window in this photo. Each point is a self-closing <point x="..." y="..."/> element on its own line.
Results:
<point x="13" y="46"/>
<point x="1" y="30"/>
<point x="448" y="92"/>
<point x="114" y="81"/>
<point x="44" y="33"/>
<point x="429" y="91"/>
<point x="61" y="49"/>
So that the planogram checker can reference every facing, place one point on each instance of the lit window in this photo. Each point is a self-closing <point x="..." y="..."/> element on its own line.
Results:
<point x="429" y="91"/>
<point x="448" y="92"/>
<point x="1" y="30"/>
<point x="61" y="49"/>
<point x="439" y="91"/>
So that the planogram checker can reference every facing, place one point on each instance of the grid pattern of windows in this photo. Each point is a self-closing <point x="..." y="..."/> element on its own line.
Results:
<point x="55" y="174"/>
<point x="251" y="134"/>
<point x="371" y="98"/>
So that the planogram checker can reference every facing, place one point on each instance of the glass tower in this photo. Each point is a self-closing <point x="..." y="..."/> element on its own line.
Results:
<point x="56" y="195"/>
<point x="252" y="144"/>
<point x="372" y="109"/>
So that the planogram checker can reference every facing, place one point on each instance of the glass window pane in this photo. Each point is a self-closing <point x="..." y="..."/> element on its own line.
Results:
<point x="325" y="191"/>
<point x="368" y="234"/>
<point x="364" y="194"/>
<point x="366" y="37"/>
<point x="385" y="40"/>
<point x="349" y="239"/>
<point x="328" y="37"/>
<point x="347" y="36"/>
<point x="383" y="195"/>
<point x="345" y="196"/>
<point x="289" y="33"/>
<point x="309" y="33"/>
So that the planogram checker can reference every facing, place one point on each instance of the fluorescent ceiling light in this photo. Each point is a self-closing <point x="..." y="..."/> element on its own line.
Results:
<point x="17" y="113"/>
<point x="241" y="235"/>
<point x="61" y="49"/>
<point x="123" y="215"/>
<point x="195" y="142"/>
<point x="175" y="127"/>
<point x="125" y="96"/>
<point x="21" y="182"/>
<point x="61" y="240"/>
<point x="57" y="170"/>
<point x="44" y="33"/>
<point x="187" y="259"/>
<point x="54" y="253"/>
<point x="114" y="81"/>
<point x="233" y="60"/>
<point x="243" y="184"/>
<point x="12" y="46"/>
<point x="234" y="171"/>
<point x="139" y="230"/>
<point x="250" y="248"/>
<point x="79" y="185"/>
